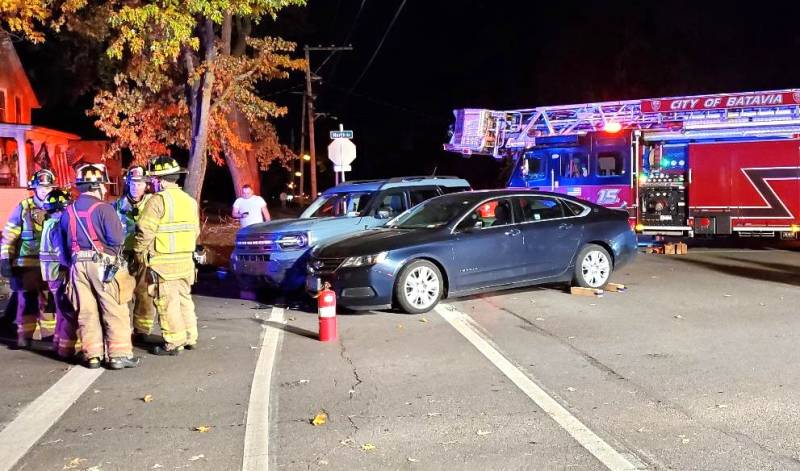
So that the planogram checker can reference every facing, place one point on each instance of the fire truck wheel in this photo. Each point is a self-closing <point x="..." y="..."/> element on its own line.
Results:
<point x="592" y="267"/>
<point x="419" y="287"/>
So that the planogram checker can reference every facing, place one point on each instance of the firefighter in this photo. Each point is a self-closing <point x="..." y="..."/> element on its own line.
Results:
<point x="19" y="261"/>
<point x="54" y="265"/>
<point x="165" y="242"/>
<point x="129" y="208"/>
<point x="91" y="231"/>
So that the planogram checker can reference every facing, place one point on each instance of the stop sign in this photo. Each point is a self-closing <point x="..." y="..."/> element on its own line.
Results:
<point x="342" y="152"/>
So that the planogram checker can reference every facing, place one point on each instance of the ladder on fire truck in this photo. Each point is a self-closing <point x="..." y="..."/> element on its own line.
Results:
<point x="751" y="114"/>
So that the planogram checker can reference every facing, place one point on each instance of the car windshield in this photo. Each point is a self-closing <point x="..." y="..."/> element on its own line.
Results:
<point x="338" y="205"/>
<point x="433" y="213"/>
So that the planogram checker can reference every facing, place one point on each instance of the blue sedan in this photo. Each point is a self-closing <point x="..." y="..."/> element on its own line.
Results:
<point x="467" y="243"/>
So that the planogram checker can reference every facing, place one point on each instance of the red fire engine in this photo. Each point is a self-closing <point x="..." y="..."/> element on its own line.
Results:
<point x="713" y="164"/>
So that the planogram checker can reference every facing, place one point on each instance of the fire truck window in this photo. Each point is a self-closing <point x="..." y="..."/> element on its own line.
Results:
<point x="539" y="208"/>
<point x="610" y="164"/>
<point x="575" y="165"/>
<point x="533" y="167"/>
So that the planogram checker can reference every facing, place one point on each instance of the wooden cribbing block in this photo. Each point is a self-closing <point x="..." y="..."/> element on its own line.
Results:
<point x="578" y="291"/>
<point x="614" y="287"/>
<point x="669" y="249"/>
<point x="682" y="249"/>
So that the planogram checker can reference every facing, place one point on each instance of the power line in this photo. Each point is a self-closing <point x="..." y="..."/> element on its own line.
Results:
<point x="380" y="44"/>
<point x="347" y="38"/>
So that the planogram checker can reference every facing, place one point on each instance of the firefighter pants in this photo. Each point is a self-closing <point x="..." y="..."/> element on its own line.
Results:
<point x="32" y="303"/>
<point x="66" y="336"/>
<point x="144" y="312"/>
<point x="100" y="309"/>
<point x="175" y="308"/>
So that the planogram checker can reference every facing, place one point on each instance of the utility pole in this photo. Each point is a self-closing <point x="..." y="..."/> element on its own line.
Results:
<point x="312" y="150"/>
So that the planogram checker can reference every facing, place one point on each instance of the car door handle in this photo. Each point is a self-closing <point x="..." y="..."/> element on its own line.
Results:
<point x="512" y="232"/>
<point x="565" y="226"/>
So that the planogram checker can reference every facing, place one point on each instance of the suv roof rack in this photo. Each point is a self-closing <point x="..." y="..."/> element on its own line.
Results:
<point x="422" y="177"/>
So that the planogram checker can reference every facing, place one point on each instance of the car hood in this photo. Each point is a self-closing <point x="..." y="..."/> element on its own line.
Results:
<point x="320" y="228"/>
<point x="375" y="241"/>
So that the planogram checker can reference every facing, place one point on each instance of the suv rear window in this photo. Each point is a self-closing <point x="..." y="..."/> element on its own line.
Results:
<point x="446" y="190"/>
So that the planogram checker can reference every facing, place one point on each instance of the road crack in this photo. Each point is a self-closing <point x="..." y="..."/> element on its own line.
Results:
<point x="356" y="377"/>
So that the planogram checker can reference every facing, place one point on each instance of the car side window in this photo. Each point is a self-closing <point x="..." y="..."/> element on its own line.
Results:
<point x="539" y="208"/>
<point x="572" y="208"/>
<point x="391" y="204"/>
<point x="417" y="196"/>
<point x="494" y="213"/>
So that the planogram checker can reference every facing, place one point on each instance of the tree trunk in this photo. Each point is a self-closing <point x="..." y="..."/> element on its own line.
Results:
<point x="241" y="163"/>
<point x="198" y="158"/>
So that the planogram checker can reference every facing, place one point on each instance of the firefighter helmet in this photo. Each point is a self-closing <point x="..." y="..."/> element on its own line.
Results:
<point x="163" y="165"/>
<point x="91" y="174"/>
<point x="43" y="177"/>
<point x="135" y="174"/>
<point x="56" y="200"/>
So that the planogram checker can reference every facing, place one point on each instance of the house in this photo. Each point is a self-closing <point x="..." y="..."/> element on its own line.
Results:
<point x="25" y="147"/>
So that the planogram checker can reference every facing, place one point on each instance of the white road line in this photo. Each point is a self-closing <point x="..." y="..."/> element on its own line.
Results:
<point x="36" y="419"/>
<point x="604" y="452"/>
<point x="256" y="435"/>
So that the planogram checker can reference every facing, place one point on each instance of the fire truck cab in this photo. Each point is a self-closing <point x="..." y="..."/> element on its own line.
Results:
<point x="701" y="165"/>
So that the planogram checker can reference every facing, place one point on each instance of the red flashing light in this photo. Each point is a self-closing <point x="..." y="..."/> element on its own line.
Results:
<point x="612" y="127"/>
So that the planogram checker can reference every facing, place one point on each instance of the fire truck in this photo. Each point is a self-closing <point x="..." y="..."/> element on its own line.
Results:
<point x="724" y="164"/>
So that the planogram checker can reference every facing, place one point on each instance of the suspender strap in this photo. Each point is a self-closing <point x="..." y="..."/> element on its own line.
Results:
<point x="89" y="231"/>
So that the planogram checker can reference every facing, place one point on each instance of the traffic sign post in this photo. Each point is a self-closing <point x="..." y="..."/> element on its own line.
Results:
<point x="341" y="151"/>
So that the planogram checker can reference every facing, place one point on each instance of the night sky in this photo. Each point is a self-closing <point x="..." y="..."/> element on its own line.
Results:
<point x="441" y="55"/>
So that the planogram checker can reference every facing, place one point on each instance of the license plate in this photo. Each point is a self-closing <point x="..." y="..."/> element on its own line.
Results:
<point x="313" y="284"/>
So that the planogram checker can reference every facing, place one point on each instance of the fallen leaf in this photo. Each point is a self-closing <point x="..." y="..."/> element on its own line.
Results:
<point x="685" y="441"/>
<point x="348" y="442"/>
<point x="483" y="432"/>
<point x="213" y="338"/>
<point x="540" y="318"/>
<point x="368" y="447"/>
<point x="727" y="295"/>
<point x="93" y="468"/>
<point x="423" y="320"/>
<point x="320" y="419"/>
<point x="413" y="460"/>
<point x="74" y="463"/>
<point x="322" y="462"/>
<point x="571" y="337"/>
<point x="97" y="409"/>
<point x="722" y="406"/>
<point x="96" y="391"/>
<point x="202" y="429"/>
<point x="148" y="398"/>
<point x="434" y="414"/>
<point x="157" y="466"/>
<point x="197" y="457"/>
<point x="571" y="389"/>
<point x="678" y="316"/>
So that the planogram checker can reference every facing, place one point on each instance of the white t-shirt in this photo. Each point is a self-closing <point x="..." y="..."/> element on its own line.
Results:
<point x="252" y="206"/>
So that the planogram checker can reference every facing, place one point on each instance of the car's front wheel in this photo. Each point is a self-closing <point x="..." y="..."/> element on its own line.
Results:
<point x="419" y="287"/>
<point x="593" y="267"/>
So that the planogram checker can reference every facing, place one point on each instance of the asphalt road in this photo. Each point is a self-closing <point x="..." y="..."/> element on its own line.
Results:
<point x="692" y="368"/>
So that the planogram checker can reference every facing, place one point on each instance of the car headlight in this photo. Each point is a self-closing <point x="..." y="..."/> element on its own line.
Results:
<point x="364" y="260"/>
<point x="293" y="241"/>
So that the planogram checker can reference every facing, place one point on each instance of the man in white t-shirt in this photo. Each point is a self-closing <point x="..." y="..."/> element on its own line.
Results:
<point x="250" y="209"/>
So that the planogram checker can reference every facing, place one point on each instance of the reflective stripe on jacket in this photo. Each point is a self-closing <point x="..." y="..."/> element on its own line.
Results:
<point x="167" y="231"/>
<point x="22" y="234"/>
<point x="129" y="214"/>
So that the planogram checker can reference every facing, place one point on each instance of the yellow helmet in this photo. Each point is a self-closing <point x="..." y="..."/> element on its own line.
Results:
<point x="163" y="165"/>
<point x="93" y="174"/>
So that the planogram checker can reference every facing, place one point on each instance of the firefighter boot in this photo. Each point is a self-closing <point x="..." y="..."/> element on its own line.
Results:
<point x="92" y="363"/>
<point x="119" y="363"/>
<point x="161" y="350"/>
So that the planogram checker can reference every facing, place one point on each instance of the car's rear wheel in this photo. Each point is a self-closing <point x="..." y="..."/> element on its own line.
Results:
<point x="593" y="267"/>
<point x="419" y="287"/>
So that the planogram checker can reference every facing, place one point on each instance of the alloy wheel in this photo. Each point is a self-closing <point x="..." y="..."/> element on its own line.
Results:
<point x="421" y="287"/>
<point x="595" y="268"/>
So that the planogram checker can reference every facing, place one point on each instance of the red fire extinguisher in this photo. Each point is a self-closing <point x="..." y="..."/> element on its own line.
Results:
<point x="326" y="302"/>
